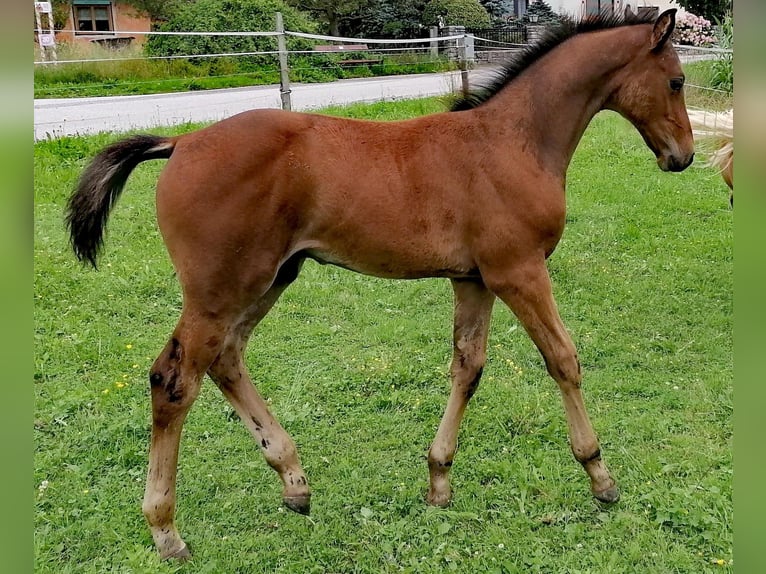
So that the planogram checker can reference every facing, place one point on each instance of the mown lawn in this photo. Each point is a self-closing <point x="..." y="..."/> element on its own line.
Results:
<point x="356" y="369"/>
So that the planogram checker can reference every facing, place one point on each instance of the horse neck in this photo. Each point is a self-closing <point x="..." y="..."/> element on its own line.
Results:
<point x="558" y="95"/>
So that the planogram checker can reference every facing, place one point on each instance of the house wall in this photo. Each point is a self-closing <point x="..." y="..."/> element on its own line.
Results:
<point x="577" y="7"/>
<point x="124" y="17"/>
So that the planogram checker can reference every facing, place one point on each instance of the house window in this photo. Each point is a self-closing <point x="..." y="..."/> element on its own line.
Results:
<point x="93" y="17"/>
<point x="596" y="7"/>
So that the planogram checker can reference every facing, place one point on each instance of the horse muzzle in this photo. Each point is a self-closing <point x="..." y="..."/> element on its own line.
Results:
<point x="672" y="162"/>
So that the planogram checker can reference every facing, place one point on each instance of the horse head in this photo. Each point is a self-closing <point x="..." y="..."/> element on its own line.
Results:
<point x="650" y="95"/>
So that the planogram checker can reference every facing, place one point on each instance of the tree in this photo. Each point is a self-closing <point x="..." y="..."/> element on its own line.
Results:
<point x="229" y="16"/>
<point x="498" y="9"/>
<point x="467" y="13"/>
<point x="332" y="12"/>
<point x="388" y="19"/>
<point x="544" y="13"/>
<point x="713" y="10"/>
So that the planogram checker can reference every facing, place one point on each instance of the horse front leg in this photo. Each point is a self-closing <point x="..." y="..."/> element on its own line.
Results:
<point x="473" y="307"/>
<point x="527" y="291"/>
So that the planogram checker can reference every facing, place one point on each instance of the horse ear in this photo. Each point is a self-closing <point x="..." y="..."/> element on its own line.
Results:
<point x="663" y="28"/>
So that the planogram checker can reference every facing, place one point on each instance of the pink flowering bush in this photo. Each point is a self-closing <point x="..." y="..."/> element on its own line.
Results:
<point x="693" y="30"/>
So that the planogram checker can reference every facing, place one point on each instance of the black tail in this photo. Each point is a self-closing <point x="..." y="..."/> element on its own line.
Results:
<point x="101" y="184"/>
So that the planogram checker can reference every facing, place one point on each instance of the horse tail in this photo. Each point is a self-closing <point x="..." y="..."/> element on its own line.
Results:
<point x="714" y="131"/>
<point x="721" y="158"/>
<point x="101" y="184"/>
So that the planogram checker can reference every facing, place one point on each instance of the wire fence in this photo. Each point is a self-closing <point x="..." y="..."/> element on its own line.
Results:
<point x="96" y="68"/>
<point x="709" y="77"/>
<point x="93" y="69"/>
<point x="426" y="44"/>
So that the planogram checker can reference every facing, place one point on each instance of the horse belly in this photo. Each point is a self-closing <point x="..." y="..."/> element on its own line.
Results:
<point x="413" y="260"/>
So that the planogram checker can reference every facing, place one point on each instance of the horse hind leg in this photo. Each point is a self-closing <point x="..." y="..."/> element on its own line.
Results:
<point x="228" y="371"/>
<point x="175" y="382"/>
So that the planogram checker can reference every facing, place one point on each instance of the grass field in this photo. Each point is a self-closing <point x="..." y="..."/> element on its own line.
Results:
<point x="356" y="369"/>
<point x="133" y="74"/>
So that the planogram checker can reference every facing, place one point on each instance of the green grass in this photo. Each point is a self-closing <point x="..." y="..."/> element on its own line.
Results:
<point x="703" y="88"/>
<point x="133" y="75"/>
<point x="356" y="369"/>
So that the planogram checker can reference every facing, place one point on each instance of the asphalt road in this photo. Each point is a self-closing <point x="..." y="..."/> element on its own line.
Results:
<point x="78" y="116"/>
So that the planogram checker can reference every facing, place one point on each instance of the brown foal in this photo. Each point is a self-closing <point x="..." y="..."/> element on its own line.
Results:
<point x="476" y="195"/>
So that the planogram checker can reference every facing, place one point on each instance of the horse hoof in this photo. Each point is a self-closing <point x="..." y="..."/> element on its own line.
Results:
<point x="180" y="555"/>
<point x="610" y="495"/>
<point x="299" y="504"/>
<point x="440" y="500"/>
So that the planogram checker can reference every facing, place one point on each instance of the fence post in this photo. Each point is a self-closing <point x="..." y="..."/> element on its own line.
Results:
<point x="39" y="22"/>
<point x="46" y="38"/>
<point x="433" y="32"/>
<point x="284" y="71"/>
<point x="467" y="57"/>
<point x="470" y="53"/>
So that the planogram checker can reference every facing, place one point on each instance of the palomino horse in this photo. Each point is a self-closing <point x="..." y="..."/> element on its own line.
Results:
<point x="476" y="195"/>
<point x="714" y="133"/>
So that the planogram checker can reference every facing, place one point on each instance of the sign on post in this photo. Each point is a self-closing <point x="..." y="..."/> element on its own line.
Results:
<point x="46" y="39"/>
<point x="43" y="7"/>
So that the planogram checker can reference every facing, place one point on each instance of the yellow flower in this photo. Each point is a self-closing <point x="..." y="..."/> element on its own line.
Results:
<point x="128" y="346"/>
<point x="119" y="384"/>
<point x="720" y="562"/>
<point x="105" y="391"/>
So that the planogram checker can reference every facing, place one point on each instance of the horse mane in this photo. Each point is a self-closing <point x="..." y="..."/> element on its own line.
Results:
<point x="552" y="37"/>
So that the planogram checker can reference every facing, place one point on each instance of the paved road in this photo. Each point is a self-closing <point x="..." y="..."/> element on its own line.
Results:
<point x="75" y="116"/>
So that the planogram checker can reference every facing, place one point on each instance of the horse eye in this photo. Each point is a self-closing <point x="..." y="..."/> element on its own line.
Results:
<point x="676" y="84"/>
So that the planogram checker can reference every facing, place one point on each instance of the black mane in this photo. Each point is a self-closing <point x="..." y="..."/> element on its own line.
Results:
<point x="552" y="37"/>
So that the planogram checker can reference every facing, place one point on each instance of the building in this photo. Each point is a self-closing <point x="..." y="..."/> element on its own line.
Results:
<point x="579" y="8"/>
<point x="118" y="19"/>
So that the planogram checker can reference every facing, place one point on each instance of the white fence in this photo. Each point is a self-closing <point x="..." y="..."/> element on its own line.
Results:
<point x="465" y="49"/>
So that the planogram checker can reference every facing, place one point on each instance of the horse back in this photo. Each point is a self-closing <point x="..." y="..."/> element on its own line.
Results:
<point x="394" y="199"/>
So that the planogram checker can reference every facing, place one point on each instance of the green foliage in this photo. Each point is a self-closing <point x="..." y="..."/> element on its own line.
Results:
<point x="332" y="13"/>
<point x="498" y="9"/>
<point x="227" y="16"/>
<point x="62" y="9"/>
<point x="356" y="369"/>
<point x="388" y="19"/>
<point x="468" y="13"/>
<point x="544" y="13"/>
<point x="178" y="75"/>
<point x="723" y="66"/>
<point x="699" y="79"/>
<point x="710" y="9"/>
<point x="157" y="10"/>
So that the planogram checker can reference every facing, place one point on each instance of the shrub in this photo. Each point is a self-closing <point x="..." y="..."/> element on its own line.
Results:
<point x="723" y="66"/>
<point x="228" y="16"/>
<point x="468" y="13"/>
<point x="693" y="30"/>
